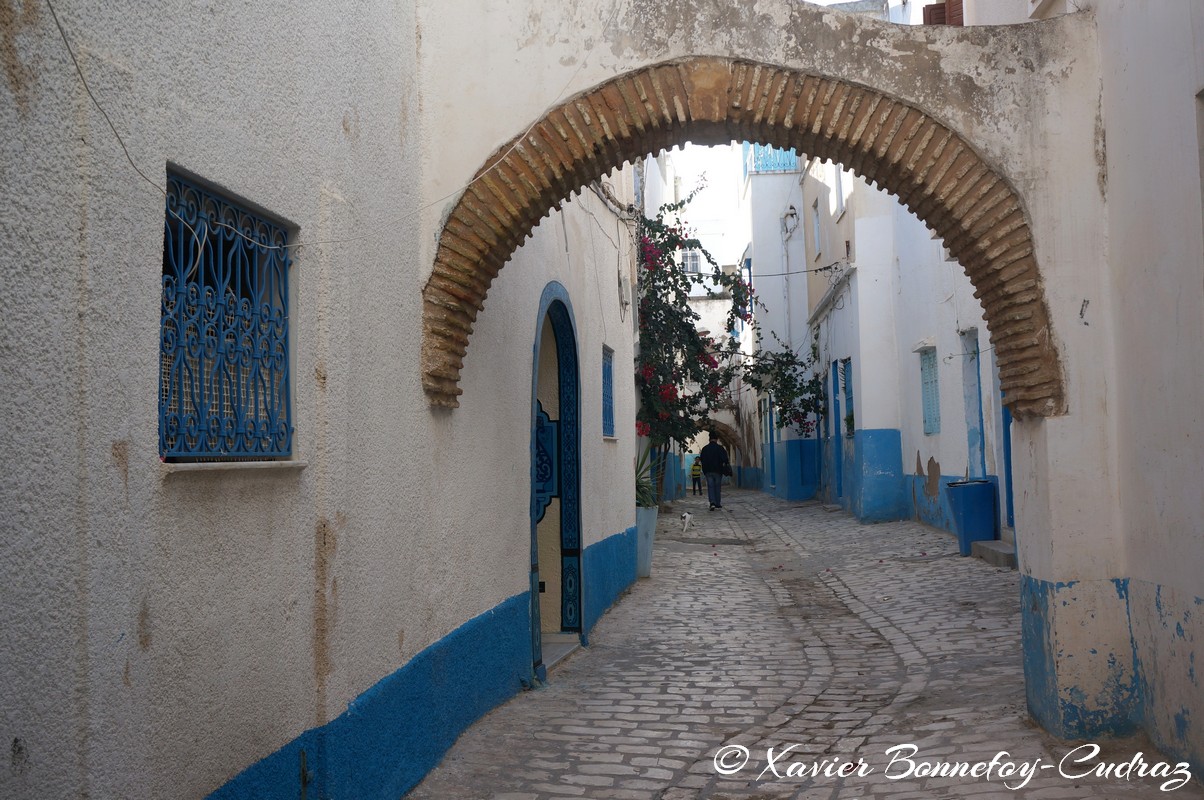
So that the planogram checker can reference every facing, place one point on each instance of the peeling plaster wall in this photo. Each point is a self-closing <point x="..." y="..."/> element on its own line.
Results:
<point x="1152" y="75"/>
<point x="1122" y="645"/>
<point x="979" y="80"/>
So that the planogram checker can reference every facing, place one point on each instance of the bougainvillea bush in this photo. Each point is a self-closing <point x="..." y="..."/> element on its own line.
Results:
<point x="683" y="374"/>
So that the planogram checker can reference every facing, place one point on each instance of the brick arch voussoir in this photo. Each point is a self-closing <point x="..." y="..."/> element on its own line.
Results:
<point x="710" y="100"/>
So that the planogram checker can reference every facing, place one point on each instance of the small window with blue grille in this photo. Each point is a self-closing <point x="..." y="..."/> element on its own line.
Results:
<point x="608" y="392"/>
<point x="931" y="391"/>
<point x="223" y="343"/>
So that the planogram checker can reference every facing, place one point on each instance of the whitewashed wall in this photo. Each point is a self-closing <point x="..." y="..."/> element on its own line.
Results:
<point x="162" y="629"/>
<point x="936" y="301"/>
<point x="136" y="596"/>
<point x="775" y="252"/>
<point x="1154" y="126"/>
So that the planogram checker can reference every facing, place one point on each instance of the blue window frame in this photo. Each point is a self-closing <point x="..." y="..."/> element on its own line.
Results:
<point x="608" y="392"/>
<point x="846" y="377"/>
<point x="223" y="344"/>
<point x="931" y="392"/>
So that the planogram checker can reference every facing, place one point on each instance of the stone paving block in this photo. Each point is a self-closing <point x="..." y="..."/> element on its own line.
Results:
<point x="842" y="639"/>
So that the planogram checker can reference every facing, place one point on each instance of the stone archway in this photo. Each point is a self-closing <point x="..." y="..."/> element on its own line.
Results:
<point x="738" y="450"/>
<point x="932" y="169"/>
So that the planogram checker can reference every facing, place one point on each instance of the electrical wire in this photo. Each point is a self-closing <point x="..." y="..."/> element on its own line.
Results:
<point x="829" y="268"/>
<point x="79" y="71"/>
<point x="371" y="233"/>
<point x="978" y="353"/>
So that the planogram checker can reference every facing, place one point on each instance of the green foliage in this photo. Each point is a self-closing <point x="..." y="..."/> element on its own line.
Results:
<point x="645" y="494"/>
<point x="683" y="376"/>
<point x="796" y="387"/>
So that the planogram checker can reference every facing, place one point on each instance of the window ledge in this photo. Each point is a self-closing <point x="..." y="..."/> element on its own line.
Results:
<point x="606" y="438"/>
<point x="168" y="468"/>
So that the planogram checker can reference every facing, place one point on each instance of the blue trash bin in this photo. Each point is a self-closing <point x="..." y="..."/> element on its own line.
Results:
<point x="973" y="506"/>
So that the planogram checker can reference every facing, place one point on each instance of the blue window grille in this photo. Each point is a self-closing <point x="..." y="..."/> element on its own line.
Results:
<point x="223" y="344"/>
<point x="608" y="392"/>
<point x="931" y="393"/>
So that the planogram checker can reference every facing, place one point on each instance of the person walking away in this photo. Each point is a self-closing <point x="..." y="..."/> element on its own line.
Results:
<point x="696" y="474"/>
<point x="715" y="465"/>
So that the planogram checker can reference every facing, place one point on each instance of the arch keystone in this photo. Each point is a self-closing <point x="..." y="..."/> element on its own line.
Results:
<point x="707" y="85"/>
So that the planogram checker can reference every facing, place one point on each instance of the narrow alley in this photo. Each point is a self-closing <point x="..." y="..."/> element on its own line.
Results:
<point x="776" y="640"/>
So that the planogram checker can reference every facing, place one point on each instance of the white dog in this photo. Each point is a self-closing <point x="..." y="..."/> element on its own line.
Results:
<point x="686" y="519"/>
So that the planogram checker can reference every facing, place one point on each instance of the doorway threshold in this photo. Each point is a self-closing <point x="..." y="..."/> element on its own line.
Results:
<point x="558" y="646"/>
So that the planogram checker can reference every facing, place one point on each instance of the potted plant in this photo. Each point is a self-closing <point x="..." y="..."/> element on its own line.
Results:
<point x="645" y="513"/>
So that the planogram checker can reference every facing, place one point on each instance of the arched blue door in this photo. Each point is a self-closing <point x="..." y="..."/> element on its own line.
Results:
<point x="556" y="465"/>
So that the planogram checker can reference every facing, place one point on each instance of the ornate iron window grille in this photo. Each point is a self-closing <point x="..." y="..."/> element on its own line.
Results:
<point x="223" y="345"/>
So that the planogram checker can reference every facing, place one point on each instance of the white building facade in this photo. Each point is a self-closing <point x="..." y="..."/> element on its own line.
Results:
<point x="912" y="389"/>
<point x="243" y="555"/>
<point x="178" y="628"/>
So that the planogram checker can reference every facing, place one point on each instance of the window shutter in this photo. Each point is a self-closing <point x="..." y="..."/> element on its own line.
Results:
<point x="934" y="14"/>
<point x="953" y="13"/>
<point x="931" y="399"/>
<point x="608" y="392"/>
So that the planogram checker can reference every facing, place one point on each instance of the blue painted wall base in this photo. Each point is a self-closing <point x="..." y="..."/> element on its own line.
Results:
<point x="609" y="567"/>
<point x="677" y="480"/>
<point x="873" y="475"/>
<point x="864" y="474"/>
<point x="747" y="477"/>
<point x="796" y="469"/>
<point x="393" y="734"/>
<point x="922" y="506"/>
<point x="1102" y="659"/>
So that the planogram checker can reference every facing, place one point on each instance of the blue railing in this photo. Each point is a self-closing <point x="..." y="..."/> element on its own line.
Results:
<point x="223" y="345"/>
<point x="766" y="158"/>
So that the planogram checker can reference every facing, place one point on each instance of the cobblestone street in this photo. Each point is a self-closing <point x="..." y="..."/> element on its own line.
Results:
<point x="781" y="625"/>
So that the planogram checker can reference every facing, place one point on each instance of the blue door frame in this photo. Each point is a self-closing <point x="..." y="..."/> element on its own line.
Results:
<point x="1009" y="503"/>
<point x="770" y="430"/>
<point x="556" y="466"/>
<point x="837" y="432"/>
